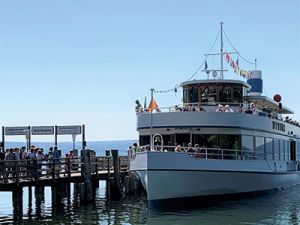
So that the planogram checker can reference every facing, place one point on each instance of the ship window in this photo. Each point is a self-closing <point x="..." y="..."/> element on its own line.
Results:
<point x="276" y="149"/>
<point x="237" y="95"/>
<point x="269" y="148"/>
<point x="167" y="140"/>
<point x="247" y="142"/>
<point x="193" y="95"/>
<point x="145" y="140"/>
<point x="208" y="94"/>
<point x="230" y="142"/>
<point x="293" y="150"/>
<point x="282" y="150"/>
<point x="208" y="141"/>
<point x="287" y="150"/>
<point x="183" y="139"/>
<point x="217" y="141"/>
<point x="259" y="147"/>
<point x="225" y="94"/>
<point x="185" y="94"/>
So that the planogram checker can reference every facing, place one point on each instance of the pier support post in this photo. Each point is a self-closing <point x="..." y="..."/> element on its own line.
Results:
<point x="116" y="184"/>
<point x="17" y="199"/>
<point x="88" y="187"/>
<point x="39" y="192"/>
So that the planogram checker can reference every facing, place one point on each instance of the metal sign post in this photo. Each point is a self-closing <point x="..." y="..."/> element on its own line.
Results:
<point x="83" y="137"/>
<point x="3" y="139"/>
<point x="74" y="140"/>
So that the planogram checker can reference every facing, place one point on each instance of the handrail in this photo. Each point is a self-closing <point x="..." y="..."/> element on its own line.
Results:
<point x="191" y="107"/>
<point x="35" y="170"/>
<point x="204" y="152"/>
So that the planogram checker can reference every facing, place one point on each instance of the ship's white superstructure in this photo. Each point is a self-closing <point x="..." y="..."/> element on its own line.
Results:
<point x="202" y="148"/>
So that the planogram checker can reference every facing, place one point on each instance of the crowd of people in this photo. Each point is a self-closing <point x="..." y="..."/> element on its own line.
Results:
<point x="291" y="121"/>
<point x="27" y="158"/>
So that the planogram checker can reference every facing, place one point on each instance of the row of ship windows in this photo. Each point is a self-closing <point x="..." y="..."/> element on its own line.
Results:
<point x="271" y="148"/>
<point x="214" y="93"/>
<point x="263" y="148"/>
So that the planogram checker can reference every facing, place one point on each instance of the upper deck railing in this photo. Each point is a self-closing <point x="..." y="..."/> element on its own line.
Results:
<point x="233" y="108"/>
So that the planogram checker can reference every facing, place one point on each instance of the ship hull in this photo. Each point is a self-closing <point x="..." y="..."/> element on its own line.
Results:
<point x="172" y="178"/>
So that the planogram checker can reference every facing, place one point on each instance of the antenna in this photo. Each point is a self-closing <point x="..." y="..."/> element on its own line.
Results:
<point x="222" y="76"/>
<point x="220" y="71"/>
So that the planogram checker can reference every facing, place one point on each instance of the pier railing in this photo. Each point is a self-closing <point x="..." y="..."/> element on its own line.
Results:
<point x="16" y="171"/>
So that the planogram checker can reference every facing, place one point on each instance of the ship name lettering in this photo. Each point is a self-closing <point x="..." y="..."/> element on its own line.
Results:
<point x="278" y="126"/>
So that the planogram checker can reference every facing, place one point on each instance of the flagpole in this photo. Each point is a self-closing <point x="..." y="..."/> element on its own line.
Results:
<point x="151" y="121"/>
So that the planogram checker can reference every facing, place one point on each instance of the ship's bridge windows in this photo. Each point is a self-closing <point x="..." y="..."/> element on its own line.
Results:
<point x="193" y="94"/>
<point x="225" y="94"/>
<point x="208" y="94"/>
<point x="214" y="93"/>
<point x="237" y="95"/>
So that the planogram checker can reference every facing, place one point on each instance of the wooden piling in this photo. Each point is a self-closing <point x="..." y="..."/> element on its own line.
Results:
<point x="17" y="199"/>
<point x="116" y="185"/>
<point x="86" y="154"/>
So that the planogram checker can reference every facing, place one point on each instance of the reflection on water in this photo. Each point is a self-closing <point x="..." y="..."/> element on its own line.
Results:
<point x="279" y="208"/>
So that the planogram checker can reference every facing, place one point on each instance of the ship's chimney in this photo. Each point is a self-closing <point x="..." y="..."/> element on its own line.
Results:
<point x="256" y="83"/>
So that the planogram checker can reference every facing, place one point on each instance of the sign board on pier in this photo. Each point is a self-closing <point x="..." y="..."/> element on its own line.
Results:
<point x="16" y="130"/>
<point x="42" y="130"/>
<point x="61" y="130"/>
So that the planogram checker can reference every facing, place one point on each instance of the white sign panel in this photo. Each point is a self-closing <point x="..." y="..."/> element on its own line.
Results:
<point x="68" y="130"/>
<point x="42" y="130"/>
<point x="16" y="130"/>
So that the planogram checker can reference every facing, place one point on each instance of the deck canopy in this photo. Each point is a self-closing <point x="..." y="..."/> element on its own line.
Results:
<point x="214" y="92"/>
<point x="265" y="102"/>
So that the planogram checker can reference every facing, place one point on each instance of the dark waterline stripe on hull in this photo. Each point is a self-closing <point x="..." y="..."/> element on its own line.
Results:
<point x="197" y="202"/>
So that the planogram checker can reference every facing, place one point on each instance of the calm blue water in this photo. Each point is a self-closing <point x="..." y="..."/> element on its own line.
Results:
<point x="279" y="208"/>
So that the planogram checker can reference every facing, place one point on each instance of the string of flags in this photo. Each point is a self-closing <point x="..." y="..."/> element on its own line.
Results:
<point x="167" y="91"/>
<point x="236" y="67"/>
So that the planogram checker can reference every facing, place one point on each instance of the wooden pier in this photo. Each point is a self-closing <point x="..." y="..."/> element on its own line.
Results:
<point x="84" y="172"/>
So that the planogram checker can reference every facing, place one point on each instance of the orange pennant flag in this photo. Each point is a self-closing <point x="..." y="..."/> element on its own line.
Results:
<point x="153" y="105"/>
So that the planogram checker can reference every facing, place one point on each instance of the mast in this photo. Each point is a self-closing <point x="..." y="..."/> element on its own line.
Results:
<point x="151" y="121"/>
<point x="222" y="76"/>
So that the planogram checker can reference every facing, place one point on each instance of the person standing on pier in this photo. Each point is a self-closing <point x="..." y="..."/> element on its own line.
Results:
<point x="10" y="157"/>
<point x="56" y="157"/>
<point x="2" y="157"/>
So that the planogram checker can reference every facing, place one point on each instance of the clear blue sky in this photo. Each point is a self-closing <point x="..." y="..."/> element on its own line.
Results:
<point x="72" y="62"/>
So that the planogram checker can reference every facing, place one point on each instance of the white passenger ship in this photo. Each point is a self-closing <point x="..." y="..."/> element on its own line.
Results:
<point x="241" y="151"/>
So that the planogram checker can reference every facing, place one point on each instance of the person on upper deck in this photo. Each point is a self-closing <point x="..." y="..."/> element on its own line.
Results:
<point x="201" y="108"/>
<point x="220" y="108"/>
<point x="190" y="148"/>
<point x="253" y="108"/>
<point x="178" y="109"/>
<point x="227" y="109"/>
<point x="2" y="157"/>
<point x="178" y="149"/>
<point x="240" y="109"/>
